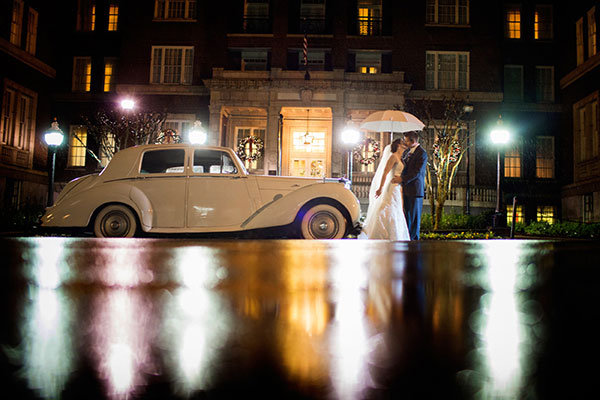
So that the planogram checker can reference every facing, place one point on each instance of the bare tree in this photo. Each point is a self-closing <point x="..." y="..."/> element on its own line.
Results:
<point x="446" y="133"/>
<point x="115" y="130"/>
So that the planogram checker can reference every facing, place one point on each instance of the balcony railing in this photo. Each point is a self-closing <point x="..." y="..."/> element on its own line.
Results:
<point x="256" y="25"/>
<point x="369" y="26"/>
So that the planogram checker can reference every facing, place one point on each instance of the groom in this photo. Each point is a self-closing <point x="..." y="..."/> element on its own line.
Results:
<point x="413" y="182"/>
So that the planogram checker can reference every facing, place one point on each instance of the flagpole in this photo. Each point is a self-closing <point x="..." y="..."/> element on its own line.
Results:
<point x="305" y="53"/>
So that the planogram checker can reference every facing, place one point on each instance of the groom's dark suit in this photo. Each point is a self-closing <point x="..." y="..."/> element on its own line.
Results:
<point x="413" y="188"/>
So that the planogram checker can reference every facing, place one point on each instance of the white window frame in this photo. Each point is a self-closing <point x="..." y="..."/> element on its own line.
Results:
<point x="186" y="69"/>
<point x="436" y="71"/>
<point x="77" y="160"/>
<point x="315" y="58"/>
<point x="80" y="82"/>
<point x="32" y="28"/>
<point x="162" y="8"/>
<point x="432" y="13"/>
<point x="553" y="158"/>
<point x="17" y="124"/>
<point x="109" y="86"/>
<point x="257" y="59"/>
<point x="16" y="23"/>
<point x="368" y="60"/>
<point x="539" y="89"/>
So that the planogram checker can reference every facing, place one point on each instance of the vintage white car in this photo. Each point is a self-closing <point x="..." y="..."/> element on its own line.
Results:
<point x="182" y="188"/>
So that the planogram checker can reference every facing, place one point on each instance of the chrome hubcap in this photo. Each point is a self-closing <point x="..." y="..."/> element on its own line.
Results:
<point x="115" y="224"/>
<point x="323" y="225"/>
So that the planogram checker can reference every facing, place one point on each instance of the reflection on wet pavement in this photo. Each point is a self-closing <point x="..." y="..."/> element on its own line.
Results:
<point x="333" y="319"/>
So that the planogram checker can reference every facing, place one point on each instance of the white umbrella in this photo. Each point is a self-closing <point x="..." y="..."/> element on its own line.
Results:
<point x="391" y="121"/>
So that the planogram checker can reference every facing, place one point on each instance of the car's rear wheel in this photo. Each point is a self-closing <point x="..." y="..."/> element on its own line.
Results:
<point x="322" y="221"/>
<point x="115" y="221"/>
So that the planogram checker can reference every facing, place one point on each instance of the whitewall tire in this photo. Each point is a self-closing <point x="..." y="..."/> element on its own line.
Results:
<point x="115" y="221"/>
<point x="322" y="221"/>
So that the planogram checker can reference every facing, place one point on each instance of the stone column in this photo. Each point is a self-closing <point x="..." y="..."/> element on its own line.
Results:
<point x="271" y="142"/>
<point x="338" y="148"/>
<point x="214" y="126"/>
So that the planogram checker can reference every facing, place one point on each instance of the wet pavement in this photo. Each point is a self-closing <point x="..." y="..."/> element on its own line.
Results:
<point x="181" y="318"/>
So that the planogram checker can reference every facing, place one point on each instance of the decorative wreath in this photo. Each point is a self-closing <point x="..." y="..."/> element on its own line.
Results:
<point x="455" y="150"/>
<point x="368" y="146"/>
<point x="250" y="148"/>
<point x="168" y="136"/>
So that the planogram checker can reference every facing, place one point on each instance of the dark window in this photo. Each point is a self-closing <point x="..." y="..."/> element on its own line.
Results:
<point x="213" y="162"/>
<point x="163" y="161"/>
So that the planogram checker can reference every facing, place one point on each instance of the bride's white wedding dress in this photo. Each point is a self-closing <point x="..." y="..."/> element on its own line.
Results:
<point x="385" y="216"/>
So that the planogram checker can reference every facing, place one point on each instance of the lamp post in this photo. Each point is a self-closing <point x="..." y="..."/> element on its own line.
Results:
<point x="350" y="136"/>
<point x="468" y="110"/>
<point x="127" y="104"/>
<point x="53" y="139"/>
<point x="500" y="136"/>
<point x="197" y="135"/>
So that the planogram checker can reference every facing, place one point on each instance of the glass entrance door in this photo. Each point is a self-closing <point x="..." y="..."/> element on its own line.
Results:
<point x="308" y="154"/>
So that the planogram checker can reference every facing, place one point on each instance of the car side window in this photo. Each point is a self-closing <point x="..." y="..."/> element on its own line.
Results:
<point x="213" y="162"/>
<point x="171" y="161"/>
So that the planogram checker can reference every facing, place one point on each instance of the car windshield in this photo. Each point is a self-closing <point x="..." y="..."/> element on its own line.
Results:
<point x="213" y="162"/>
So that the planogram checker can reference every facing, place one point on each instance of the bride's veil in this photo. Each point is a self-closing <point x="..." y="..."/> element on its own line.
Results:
<point x="375" y="203"/>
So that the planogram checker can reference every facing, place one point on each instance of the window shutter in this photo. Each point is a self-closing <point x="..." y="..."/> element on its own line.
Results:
<point x="292" y="60"/>
<point x="235" y="60"/>
<point x="386" y="63"/>
<point x="268" y="61"/>
<point x="351" y="66"/>
<point x="387" y="17"/>
<point x="235" y="16"/>
<point x="328" y="64"/>
<point x="352" y="17"/>
<point x="294" y="16"/>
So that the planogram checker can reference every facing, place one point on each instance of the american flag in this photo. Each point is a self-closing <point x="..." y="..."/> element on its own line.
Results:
<point x="305" y="49"/>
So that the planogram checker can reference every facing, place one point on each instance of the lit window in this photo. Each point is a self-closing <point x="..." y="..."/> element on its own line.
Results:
<point x="512" y="162"/>
<point x="513" y="83"/>
<point x="544" y="84"/>
<point x="172" y="65"/>
<point x="579" y="43"/>
<point x="32" y="26"/>
<point x="309" y="142"/>
<point x="82" y="74"/>
<point x="544" y="157"/>
<point x="77" y="146"/>
<point x="592" y="33"/>
<point x="545" y="214"/>
<point x="543" y="22"/>
<point x="113" y="17"/>
<point x="16" y="24"/>
<point x="368" y="62"/>
<point x="369" y="17"/>
<point x="588" y="207"/>
<point x="447" y="12"/>
<point x="447" y="70"/>
<point x="513" y="23"/>
<point x="518" y="215"/>
<point x="175" y="9"/>
<point x="86" y="15"/>
<point x="243" y="133"/>
<point x="109" y="74"/>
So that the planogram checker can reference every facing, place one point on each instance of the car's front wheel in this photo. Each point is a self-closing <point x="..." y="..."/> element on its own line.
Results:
<point x="322" y="221"/>
<point x="115" y="221"/>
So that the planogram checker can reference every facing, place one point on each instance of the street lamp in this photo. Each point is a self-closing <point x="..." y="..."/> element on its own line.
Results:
<point x="197" y="135"/>
<point x="127" y="104"/>
<point x="468" y="110"/>
<point x="350" y="136"/>
<point x="53" y="138"/>
<point x="500" y="136"/>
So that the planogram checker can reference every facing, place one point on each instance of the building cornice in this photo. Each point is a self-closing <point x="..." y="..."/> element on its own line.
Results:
<point x="27" y="58"/>
<point x="169" y="90"/>
<point x="580" y="71"/>
<point x="476" y="97"/>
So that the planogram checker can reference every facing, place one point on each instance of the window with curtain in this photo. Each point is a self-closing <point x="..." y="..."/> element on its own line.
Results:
<point x="544" y="84"/>
<point x="32" y="27"/>
<point x="368" y="62"/>
<point x="369" y="17"/>
<point x="86" y="15"/>
<point x="82" y="74"/>
<point x="172" y="65"/>
<point x="544" y="157"/>
<point x="113" y="17"/>
<point x="447" y="70"/>
<point x="512" y="162"/>
<point x="16" y="23"/>
<point x="110" y="65"/>
<point x="512" y="24"/>
<point x="517" y="214"/>
<point x="513" y="83"/>
<point x="315" y="58"/>
<point x="254" y="60"/>
<point x="77" y="146"/>
<point x="543" y="25"/>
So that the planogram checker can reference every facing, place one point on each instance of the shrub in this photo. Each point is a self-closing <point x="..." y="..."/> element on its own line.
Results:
<point x="457" y="221"/>
<point x="20" y="219"/>
<point x="457" y="235"/>
<point x="564" y="229"/>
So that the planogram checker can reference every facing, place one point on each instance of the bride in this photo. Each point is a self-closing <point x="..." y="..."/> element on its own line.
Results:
<point x="385" y="216"/>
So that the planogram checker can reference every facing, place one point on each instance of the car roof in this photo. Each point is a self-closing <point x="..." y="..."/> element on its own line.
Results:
<point x="124" y="162"/>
